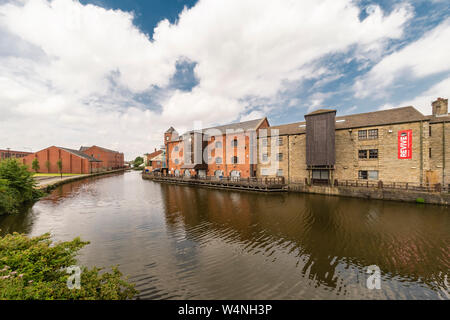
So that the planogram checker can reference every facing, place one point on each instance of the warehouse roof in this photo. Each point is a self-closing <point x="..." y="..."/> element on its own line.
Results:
<point x="360" y="120"/>
<point x="80" y="154"/>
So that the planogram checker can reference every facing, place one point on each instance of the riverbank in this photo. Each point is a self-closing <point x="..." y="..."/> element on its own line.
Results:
<point x="48" y="185"/>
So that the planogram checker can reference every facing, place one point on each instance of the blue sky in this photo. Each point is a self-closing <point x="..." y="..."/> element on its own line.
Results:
<point x="140" y="66"/>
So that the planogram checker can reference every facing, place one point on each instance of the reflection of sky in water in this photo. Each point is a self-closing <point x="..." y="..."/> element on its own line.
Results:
<point x="181" y="242"/>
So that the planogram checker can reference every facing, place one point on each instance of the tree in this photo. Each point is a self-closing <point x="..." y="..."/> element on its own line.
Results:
<point x="17" y="186"/>
<point x="47" y="165"/>
<point x="138" y="161"/>
<point x="35" y="165"/>
<point x="59" y="163"/>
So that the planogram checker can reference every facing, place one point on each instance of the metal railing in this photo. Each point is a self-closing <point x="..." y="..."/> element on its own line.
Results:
<point x="377" y="184"/>
<point x="250" y="180"/>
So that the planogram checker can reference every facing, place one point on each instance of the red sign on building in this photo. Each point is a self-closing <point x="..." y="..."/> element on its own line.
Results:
<point x="405" y="144"/>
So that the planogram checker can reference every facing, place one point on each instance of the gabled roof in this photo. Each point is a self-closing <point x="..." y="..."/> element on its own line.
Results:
<point x="439" y="119"/>
<point x="170" y="130"/>
<point x="80" y="154"/>
<point x="154" y="154"/>
<point x="361" y="120"/>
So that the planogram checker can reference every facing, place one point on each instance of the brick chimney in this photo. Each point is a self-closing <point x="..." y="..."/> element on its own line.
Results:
<point x="440" y="107"/>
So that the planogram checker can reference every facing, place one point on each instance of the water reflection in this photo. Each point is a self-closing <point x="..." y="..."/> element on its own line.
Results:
<point x="194" y="243"/>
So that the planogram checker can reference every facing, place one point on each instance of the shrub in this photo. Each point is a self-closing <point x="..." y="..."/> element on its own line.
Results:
<point x="35" y="268"/>
<point x="17" y="187"/>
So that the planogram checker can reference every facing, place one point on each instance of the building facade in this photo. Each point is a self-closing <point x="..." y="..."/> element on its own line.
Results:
<point x="12" y="154"/>
<point x="397" y="145"/>
<point x="110" y="159"/>
<point x="222" y="151"/>
<point x="154" y="160"/>
<point x="73" y="161"/>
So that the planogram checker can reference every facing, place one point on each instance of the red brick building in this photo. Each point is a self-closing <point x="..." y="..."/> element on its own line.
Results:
<point x="154" y="160"/>
<point x="222" y="151"/>
<point x="73" y="161"/>
<point x="11" y="154"/>
<point x="110" y="159"/>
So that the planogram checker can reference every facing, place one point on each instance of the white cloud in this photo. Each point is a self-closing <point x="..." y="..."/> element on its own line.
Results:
<point x="423" y="101"/>
<point x="426" y="56"/>
<point x="68" y="72"/>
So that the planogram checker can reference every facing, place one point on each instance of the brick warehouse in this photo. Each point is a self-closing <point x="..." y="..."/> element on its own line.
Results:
<point x="228" y="150"/>
<point x="396" y="145"/>
<point x="73" y="161"/>
<point x="110" y="159"/>
<point x="11" y="154"/>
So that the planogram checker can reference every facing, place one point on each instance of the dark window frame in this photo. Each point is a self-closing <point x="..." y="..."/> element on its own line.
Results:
<point x="372" y="134"/>
<point x="362" y="154"/>
<point x="362" y="135"/>
<point x="373" y="154"/>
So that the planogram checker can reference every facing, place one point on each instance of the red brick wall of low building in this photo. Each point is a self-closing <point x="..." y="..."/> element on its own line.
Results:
<point x="71" y="162"/>
<point x="110" y="160"/>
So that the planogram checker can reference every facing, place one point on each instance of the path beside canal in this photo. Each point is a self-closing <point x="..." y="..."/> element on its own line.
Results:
<point x="48" y="183"/>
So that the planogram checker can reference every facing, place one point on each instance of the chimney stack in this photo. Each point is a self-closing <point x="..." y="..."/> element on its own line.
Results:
<point x="440" y="107"/>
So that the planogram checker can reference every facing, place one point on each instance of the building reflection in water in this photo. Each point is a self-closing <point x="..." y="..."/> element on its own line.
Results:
<point x="406" y="241"/>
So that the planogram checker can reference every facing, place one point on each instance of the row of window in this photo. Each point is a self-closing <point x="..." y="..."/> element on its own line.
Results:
<point x="368" y="154"/>
<point x="368" y="174"/>
<point x="234" y="160"/>
<point x="371" y="134"/>
<point x="279" y="142"/>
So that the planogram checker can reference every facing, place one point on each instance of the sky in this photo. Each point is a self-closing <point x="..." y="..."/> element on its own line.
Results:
<point x="119" y="73"/>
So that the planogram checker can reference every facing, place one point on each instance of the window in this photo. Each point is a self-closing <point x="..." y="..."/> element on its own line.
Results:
<point x="234" y="143"/>
<point x="167" y="138"/>
<point x="218" y="145"/>
<point x="362" y="154"/>
<point x="264" y="172"/>
<point x="280" y="157"/>
<point x="218" y="160"/>
<point x="280" y="141"/>
<point x="264" y="142"/>
<point x="429" y="130"/>
<point x="320" y="174"/>
<point x="364" y="175"/>
<point x="373" y="175"/>
<point x="373" y="154"/>
<point x="373" y="134"/>
<point x="176" y="161"/>
<point x="362" y="134"/>
<point x="175" y="149"/>
<point x="429" y="152"/>
<point x="234" y="160"/>
<point x="279" y="172"/>
<point x="265" y="157"/>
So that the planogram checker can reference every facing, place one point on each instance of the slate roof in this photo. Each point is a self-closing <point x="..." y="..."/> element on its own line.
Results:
<point x="361" y="120"/>
<point x="80" y="154"/>
<point x="82" y="149"/>
<point x="245" y="126"/>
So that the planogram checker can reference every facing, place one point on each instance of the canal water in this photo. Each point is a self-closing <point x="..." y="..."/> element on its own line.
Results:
<point x="180" y="242"/>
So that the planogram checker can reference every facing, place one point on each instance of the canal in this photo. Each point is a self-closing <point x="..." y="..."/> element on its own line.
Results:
<point x="180" y="242"/>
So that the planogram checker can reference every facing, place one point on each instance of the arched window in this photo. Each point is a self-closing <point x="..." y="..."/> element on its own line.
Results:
<point x="218" y="145"/>
<point x="235" y="174"/>
<point x="218" y="160"/>
<point x="177" y="173"/>
<point x="187" y="173"/>
<point x="218" y="173"/>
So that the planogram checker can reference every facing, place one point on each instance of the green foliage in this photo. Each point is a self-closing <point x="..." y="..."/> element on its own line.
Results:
<point x="17" y="187"/>
<point x="138" y="161"/>
<point x="35" y="268"/>
<point x="420" y="200"/>
<point x="47" y="165"/>
<point x="35" y="165"/>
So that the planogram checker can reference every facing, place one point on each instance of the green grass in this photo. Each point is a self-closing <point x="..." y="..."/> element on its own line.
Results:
<point x="55" y="174"/>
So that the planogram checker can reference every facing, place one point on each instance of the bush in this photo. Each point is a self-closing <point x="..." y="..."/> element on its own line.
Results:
<point x="35" y="268"/>
<point x="17" y="186"/>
